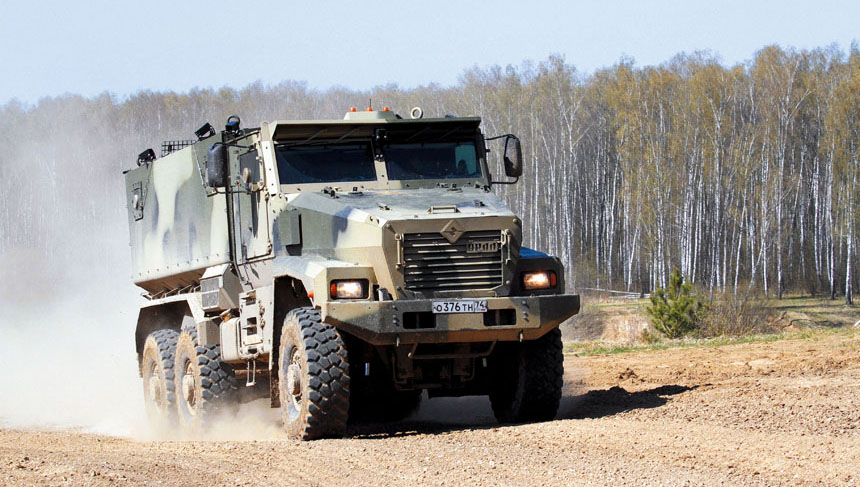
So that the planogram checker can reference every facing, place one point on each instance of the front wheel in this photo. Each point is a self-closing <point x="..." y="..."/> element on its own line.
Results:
<point x="313" y="376"/>
<point x="527" y="380"/>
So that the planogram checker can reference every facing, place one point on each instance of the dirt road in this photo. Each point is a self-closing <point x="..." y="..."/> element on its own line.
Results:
<point x="779" y="413"/>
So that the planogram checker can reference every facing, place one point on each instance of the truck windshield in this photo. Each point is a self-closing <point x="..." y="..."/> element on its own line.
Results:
<point x="432" y="160"/>
<point x="325" y="163"/>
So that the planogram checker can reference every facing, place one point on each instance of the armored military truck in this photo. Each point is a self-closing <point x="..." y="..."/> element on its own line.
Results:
<point x="340" y="268"/>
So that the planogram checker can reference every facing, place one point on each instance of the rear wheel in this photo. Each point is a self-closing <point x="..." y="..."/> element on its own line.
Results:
<point x="313" y="376"/>
<point x="156" y="368"/>
<point x="204" y="383"/>
<point x="527" y="380"/>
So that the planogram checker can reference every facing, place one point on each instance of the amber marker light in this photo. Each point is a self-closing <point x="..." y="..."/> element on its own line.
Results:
<point x="539" y="280"/>
<point x="385" y="109"/>
<point x="352" y="109"/>
<point x="349" y="289"/>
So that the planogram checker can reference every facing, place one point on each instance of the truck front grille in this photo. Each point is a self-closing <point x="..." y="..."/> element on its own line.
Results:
<point x="432" y="263"/>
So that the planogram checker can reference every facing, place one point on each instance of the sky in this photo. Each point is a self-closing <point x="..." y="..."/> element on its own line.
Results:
<point x="54" y="47"/>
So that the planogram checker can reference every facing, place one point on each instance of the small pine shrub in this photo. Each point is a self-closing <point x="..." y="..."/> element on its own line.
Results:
<point x="676" y="311"/>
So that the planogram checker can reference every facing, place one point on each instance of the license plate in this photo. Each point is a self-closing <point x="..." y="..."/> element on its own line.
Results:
<point x="459" y="306"/>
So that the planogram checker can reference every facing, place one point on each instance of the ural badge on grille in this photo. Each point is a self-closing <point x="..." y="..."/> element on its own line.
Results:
<point x="477" y="247"/>
<point x="452" y="232"/>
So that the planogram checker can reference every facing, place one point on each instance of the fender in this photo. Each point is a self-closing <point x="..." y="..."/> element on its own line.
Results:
<point x="296" y="280"/>
<point x="172" y="312"/>
<point x="315" y="273"/>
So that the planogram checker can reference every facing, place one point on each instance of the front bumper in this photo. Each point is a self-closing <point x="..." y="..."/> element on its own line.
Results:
<point x="382" y="322"/>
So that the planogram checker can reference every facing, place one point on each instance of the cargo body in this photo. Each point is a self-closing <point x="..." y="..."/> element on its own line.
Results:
<point x="177" y="230"/>
<point x="341" y="268"/>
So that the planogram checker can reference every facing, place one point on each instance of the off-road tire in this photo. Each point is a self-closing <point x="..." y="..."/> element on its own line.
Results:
<point x="210" y="385"/>
<point x="313" y="370"/>
<point x="156" y="369"/>
<point x="527" y="381"/>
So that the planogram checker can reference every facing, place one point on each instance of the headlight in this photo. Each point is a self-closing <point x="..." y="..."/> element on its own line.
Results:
<point x="356" y="289"/>
<point x="539" y="280"/>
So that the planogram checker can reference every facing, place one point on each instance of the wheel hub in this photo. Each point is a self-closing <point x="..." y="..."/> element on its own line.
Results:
<point x="188" y="389"/>
<point x="294" y="384"/>
<point x="155" y="390"/>
<point x="294" y="379"/>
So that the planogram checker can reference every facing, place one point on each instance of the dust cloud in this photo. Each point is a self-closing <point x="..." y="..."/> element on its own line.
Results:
<point x="68" y="355"/>
<point x="68" y="352"/>
<point x="67" y="348"/>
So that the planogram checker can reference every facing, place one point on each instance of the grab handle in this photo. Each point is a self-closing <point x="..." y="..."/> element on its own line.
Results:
<point x="444" y="208"/>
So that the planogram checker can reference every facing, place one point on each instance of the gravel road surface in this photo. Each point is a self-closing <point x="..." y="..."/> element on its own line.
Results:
<point x="779" y="413"/>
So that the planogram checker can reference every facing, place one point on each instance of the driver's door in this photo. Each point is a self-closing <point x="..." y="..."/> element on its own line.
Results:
<point x="250" y="209"/>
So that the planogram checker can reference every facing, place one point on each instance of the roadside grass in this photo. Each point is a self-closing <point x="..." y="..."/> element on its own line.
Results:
<point x="583" y="349"/>
<point x="614" y="304"/>
<point x="806" y="311"/>
<point x="792" y="318"/>
<point x="818" y="310"/>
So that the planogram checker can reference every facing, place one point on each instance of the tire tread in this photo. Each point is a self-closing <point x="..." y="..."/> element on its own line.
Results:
<point x="328" y="371"/>
<point x="217" y="380"/>
<point x="529" y="384"/>
<point x="165" y="344"/>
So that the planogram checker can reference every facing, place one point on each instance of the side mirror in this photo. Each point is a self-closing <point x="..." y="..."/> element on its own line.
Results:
<point x="513" y="157"/>
<point x="217" y="160"/>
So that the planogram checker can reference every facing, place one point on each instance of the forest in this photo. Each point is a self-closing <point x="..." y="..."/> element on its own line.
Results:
<point x="744" y="178"/>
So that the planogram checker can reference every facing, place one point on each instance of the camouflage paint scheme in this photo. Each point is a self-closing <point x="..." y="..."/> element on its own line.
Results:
<point x="176" y="229"/>
<point x="312" y="234"/>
